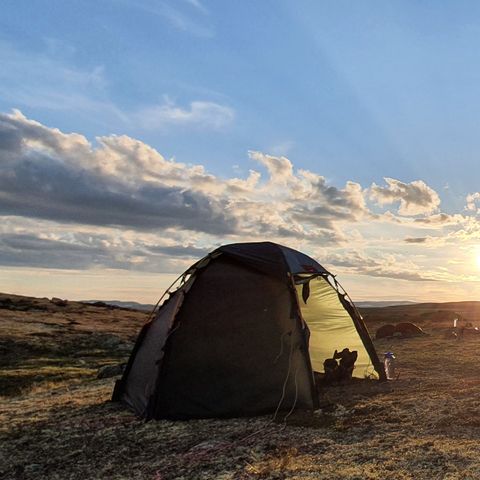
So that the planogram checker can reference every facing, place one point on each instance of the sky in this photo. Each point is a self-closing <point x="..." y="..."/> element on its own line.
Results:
<point x="138" y="135"/>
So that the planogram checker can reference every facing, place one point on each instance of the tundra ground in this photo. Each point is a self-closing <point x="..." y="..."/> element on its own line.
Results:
<point x="56" y="421"/>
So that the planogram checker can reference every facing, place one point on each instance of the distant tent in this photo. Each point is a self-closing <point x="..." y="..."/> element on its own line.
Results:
<point x="385" y="331"/>
<point x="242" y="335"/>
<point x="404" y="329"/>
<point x="408" y="329"/>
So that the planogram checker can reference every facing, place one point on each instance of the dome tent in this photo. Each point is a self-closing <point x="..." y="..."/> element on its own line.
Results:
<point x="242" y="335"/>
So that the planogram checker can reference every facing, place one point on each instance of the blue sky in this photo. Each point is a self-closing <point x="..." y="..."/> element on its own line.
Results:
<point x="354" y="92"/>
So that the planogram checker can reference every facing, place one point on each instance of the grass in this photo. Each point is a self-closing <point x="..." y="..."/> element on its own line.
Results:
<point x="59" y="423"/>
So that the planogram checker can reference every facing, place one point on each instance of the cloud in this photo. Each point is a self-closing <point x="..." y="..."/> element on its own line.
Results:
<point x="49" y="82"/>
<point x="188" y="251"/>
<point x="60" y="177"/>
<point x="68" y="202"/>
<point x="440" y="219"/>
<point x="307" y="196"/>
<point x="416" y="240"/>
<point x="280" y="169"/>
<point x="52" y="82"/>
<point x="199" y="114"/>
<point x="282" y="148"/>
<point x="383" y="265"/>
<point x="104" y="250"/>
<point x="415" y="198"/>
<point x="34" y="251"/>
<point x="473" y="199"/>
<point x="198" y="5"/>
<point x="123" y="182"/>
<point x="182" y="20"/>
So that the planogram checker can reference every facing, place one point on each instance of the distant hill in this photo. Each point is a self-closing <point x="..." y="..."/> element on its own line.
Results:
<point x="382" y="303"/>
<point x="119" y="303"/>
<point x="426" y="315"/>
<point x="467" y="307"/>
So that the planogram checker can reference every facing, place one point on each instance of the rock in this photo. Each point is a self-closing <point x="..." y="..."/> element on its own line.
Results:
<point x="6" y="303"/>
<point x="108" y="371"/>
<point x="103" y="305"/>
<point x="125" y="347"/>
<point x="59" y="302"/>
<point x="33" y="467"/>
<point x="340" y="411"/>
<point x="109" y="341"/>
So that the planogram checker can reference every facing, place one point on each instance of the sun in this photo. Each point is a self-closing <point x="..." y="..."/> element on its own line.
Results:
<point x="478" y="260"/>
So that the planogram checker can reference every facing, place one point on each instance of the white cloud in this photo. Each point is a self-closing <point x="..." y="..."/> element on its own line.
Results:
<point x="441" y="219"/>
<point x="52" y="82"/>
<point x="473" y="199"/>
<point x="382" y="265"/>
<point x="68" y="203"/>
<point x="198" y="5"/>
<point x="183" y="20"/>
<point x="199" y="114"/>
<point x="127" y="183"/>
<point x="415" y="198"/>
<point x="280" y="169"/>
<point x="282" y="148"/>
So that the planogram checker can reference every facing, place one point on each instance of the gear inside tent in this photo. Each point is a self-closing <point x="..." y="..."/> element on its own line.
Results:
<point x="243" y="333"/>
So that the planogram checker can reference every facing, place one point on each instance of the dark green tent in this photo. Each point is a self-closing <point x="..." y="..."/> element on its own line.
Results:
<point x="242" y="335"/>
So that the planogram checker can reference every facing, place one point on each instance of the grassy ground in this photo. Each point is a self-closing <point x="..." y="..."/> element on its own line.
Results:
<point x="56" y="421"/>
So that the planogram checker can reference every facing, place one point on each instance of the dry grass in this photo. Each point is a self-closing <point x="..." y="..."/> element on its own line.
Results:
<point x="59" y="424"/>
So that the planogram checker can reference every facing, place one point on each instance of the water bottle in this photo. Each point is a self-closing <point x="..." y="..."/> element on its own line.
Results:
<point x="389" y="365"/>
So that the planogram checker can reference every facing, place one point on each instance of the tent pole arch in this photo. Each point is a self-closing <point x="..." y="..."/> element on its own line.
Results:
<point x="190" y="270"/>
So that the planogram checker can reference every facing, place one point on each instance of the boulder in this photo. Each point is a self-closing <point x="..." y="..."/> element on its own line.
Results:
<point x="108" y="371"/>
<point x="59" y="302"/>
<point x="6" y="303"/>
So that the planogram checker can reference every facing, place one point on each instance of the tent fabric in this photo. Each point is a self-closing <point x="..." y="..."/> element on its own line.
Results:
<point x="238" y="338"/>
<point x="271" y="258"/>
<point x="243" y="373"/>
<point x="263" y="257"/>
<point x="331" y="328"/>
<point x="140" y="383"/>
<point x="298" y="262"/>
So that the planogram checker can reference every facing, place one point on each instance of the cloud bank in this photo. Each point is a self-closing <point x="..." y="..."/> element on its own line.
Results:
<point x="68" y="202"/>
